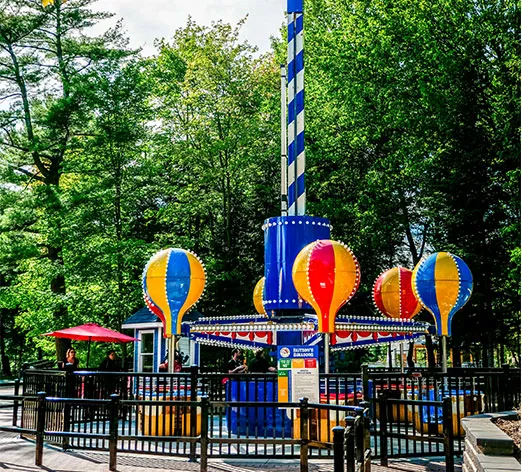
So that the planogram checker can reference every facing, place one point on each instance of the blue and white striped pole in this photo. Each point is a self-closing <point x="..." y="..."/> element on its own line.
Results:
<point x="295" y="96"/>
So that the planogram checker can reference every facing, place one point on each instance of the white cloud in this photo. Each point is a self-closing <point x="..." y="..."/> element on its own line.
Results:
<point x="148" y="20"/>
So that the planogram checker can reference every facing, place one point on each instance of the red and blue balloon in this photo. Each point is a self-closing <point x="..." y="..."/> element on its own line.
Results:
<point x="173" y="281"/>
<point x="443" y="283"/>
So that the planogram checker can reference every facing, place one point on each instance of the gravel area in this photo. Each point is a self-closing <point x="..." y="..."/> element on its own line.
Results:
<point x="512" y="429"/>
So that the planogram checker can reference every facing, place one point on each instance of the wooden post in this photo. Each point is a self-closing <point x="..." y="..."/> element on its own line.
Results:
<point x="304" y="419"/>
<point x="205" y="404"/>
<point x="447" y="419"/>
<point x="113" y="430"/>
<point x="40" y="427"/>
<point x="338" y="449"/>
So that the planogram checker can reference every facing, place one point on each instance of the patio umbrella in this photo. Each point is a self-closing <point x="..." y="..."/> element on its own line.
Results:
<point x="92" y="332"/>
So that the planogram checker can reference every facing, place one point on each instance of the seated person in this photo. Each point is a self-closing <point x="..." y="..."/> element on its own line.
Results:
<point x="111" y="363"/>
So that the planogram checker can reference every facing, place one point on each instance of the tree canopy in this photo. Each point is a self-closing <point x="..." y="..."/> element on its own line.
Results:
<point x="106" y="156"/>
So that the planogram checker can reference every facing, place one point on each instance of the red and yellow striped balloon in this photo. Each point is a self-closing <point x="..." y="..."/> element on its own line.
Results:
<point x="326" y="274"/>
<point x="393" y="294"/>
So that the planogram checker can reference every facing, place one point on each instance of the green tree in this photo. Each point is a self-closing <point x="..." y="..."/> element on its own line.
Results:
<point x="218" y="134"/>
<point x="44" y="61"/>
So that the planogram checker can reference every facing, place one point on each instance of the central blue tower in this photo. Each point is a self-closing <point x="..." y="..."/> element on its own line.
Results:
<point x="286" y="235"/>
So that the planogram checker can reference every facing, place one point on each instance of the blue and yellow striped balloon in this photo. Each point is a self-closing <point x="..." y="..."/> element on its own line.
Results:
<point x="173" y="281"/>
<point x="443" y="284"/>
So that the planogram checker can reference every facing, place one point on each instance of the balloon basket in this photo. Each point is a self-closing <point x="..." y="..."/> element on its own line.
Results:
<point x="428" y="421"/>
<point x="320" y="425"/>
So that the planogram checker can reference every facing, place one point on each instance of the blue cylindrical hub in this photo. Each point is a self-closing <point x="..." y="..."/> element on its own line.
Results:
<point x="285" y="236"/>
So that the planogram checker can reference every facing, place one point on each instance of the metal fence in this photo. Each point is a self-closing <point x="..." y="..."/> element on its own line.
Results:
<point x="157" y="408"/>
<point x="350" y="443"/>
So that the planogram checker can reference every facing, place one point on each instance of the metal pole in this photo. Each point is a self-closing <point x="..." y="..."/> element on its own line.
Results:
<point x="444" y="359"/>
<point x="338" y="448"/>
<point x="402" y="356"/>
<point x="327" y="355"/>
<point x="284" y="170"/>
<point x="172" y="349"/>
<point x="88" y="352"/>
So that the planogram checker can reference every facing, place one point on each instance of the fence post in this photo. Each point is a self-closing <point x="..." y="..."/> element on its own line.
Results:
<point x="506" y="382"/>
<point x="366" y="424"/>
<point x="193" y="410"/>
<point x="349" y="443"/>
<point x="15" y="405"/>
<point x="114" y="408"/>
<point x="304" y="426"/>
<point x="365" y="383"/>
<point x="40" y="427"/>
<point x="69" y="393"/>
<point x="447" y="418"/>
<point x="338" y="450"/>
<point x="383" y="428"/>
<point x="205" y="404"/>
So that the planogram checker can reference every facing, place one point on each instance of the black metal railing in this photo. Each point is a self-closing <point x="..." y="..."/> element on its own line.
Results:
<point x="471" y="390"/>
<point x="350" y="447"/>
<point x="427" y="429"/>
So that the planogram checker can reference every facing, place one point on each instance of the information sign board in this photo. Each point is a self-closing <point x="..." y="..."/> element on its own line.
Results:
<point x="298" y="373"/>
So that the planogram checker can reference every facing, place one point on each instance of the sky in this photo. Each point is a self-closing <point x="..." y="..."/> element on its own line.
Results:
<point x="147" y="20"/>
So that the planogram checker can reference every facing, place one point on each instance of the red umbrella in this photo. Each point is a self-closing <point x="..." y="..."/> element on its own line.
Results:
<point x="92" y="332"/>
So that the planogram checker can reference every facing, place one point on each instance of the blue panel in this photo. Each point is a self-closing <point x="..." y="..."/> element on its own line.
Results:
<point x="299" y="101"/>
<point x="291" y="31"/>
<point x="299" y="62"/>
<point x="293" y="6"/>
<point x="289" y="338"/>
<point x="300" y="143"/>
<point x="268" y="422"/>
<point x="178" y="283"/>
<point x="300" y="184"/>
<point x="426" y="288"/>
<point x="291" y="152"/>
<point x="285" y="236"/>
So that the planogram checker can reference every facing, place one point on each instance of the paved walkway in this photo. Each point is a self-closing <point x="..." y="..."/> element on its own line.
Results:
<point x="17" y="455"/>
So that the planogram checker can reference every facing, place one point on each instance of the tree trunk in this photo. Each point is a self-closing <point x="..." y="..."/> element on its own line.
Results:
<point x="6" y="368"/>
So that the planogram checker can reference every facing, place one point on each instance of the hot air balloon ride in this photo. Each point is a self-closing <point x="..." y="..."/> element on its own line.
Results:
<point x="304" y="270"/>
<point x="393" y="295"/>
<point x="326" y="274"/>
<point x="442" y="282"/>
<point x="394" y="298"/>
<point x="173" y="281"/>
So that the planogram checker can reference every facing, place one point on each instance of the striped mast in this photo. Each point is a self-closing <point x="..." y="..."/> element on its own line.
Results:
<point x="295" y="97"/>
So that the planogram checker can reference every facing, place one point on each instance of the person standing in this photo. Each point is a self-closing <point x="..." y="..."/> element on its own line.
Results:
<point x="235" y="365"/>
<point x="259" y="364"/>
<point x="70" y="358"/>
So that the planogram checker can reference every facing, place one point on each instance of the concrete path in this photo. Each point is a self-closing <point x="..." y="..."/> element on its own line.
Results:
<point x="17" y="455"/>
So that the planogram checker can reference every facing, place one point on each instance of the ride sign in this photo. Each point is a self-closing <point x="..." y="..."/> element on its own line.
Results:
<point x="298" y="373"/>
